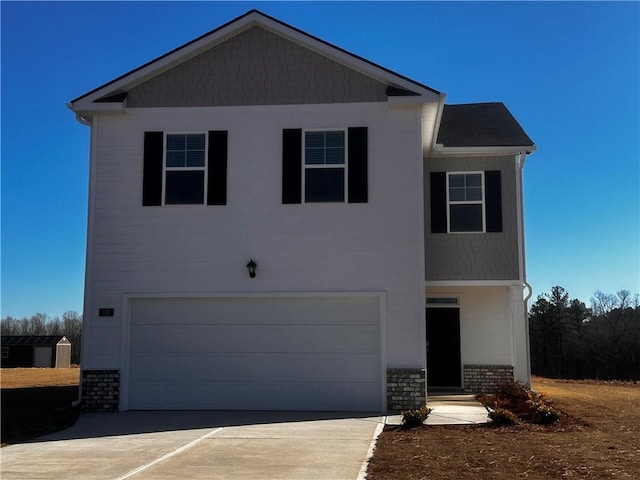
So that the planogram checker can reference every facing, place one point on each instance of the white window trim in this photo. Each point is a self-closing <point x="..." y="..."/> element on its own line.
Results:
<point x="166" y="169"/>
<point x="482" y="203"/>
<point x="345" y="166"/>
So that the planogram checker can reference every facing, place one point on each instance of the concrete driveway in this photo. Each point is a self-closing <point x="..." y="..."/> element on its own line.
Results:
<point x="199" y="445"/>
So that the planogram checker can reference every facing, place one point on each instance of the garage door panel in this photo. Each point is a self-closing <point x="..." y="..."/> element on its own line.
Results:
<point x="259" y="396"/>
<point x="256" y="353"/>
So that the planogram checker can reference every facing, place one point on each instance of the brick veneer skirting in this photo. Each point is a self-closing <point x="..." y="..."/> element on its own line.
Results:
<point x="485" y="378"/>
<point x="100" y="390"/>
<point x="405" y="389"/>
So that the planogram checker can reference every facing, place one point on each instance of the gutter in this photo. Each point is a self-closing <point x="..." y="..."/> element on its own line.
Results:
<point x="522" y="160"/>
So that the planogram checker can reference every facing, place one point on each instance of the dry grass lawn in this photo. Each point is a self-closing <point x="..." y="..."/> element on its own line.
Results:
<point x="598" y="437"/>
<point x="38" y="377"/>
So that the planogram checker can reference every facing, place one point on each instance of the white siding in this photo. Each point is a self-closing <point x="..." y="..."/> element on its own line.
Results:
<point x="298" y="248"/>
<point x="485" y="323"/>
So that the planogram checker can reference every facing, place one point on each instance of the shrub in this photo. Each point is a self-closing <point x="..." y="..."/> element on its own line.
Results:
<point x="545" y="415"/>
<point x="502" y="416"/>
<point x="414" y="418"/>
<point x="510" y="389"/>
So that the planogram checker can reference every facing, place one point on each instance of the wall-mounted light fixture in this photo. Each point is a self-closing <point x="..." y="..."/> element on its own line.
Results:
<point x="251" y="266"/>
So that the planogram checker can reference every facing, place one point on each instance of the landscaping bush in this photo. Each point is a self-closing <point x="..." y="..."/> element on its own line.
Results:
<point x="502" y="416"/>
<point x="414" y="418"/>
<point x="522" y="402"/>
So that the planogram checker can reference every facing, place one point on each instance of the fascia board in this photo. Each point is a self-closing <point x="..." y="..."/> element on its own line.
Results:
<point x="235" y="27"/>
<point x="473" y="283"/>
<point x="440" y="151"/>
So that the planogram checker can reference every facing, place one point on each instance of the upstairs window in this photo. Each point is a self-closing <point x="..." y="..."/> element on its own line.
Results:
<point x="329" y="165"/>
<point x="185" y="169"/>
<point x="324" y="166"/>
<point x="465" y="202"/>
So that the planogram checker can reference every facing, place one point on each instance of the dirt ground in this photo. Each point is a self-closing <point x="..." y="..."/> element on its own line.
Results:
<point x="598" y="437"/>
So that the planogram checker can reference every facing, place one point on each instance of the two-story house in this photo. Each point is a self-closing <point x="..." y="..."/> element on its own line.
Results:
<point x="276" y="223"/>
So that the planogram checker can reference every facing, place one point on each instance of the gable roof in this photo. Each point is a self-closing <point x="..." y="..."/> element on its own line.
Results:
<point x="111" y="95"/>
<point x="32" y="340"/>
<point x="481" y="125"/>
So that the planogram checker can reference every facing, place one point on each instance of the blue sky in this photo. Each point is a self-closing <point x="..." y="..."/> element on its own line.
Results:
<point x="569" y="72"/>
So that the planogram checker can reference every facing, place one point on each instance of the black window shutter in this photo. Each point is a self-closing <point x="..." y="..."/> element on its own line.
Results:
<point x="152" y="176"/>
<point x="292" y="165"/>
<point x="358" y="165"/>
<point x="217" y="174"/>
<point x="493" y="200"/>
<point x="438" y="202"/>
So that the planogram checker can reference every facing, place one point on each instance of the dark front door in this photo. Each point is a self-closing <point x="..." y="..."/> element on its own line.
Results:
<point x="443" y="347"/>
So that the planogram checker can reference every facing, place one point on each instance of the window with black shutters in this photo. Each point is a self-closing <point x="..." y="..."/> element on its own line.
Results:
<point x="185" y="168"/>
<point x="466" y="202"/>
<point x="328" y="165"/>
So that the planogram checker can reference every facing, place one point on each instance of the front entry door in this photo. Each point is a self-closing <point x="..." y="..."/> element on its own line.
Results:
<point x="443" y="347"/>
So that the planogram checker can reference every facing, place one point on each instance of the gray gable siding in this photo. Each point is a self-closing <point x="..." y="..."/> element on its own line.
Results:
<point x="482" y="256"/>
<point x="256" y="67"/>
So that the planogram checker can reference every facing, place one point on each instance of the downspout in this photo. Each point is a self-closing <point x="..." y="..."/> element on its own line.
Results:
<point x="521" y="160"/>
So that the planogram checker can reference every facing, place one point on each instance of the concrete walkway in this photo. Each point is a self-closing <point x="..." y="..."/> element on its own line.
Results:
<point x="451" y="410"/>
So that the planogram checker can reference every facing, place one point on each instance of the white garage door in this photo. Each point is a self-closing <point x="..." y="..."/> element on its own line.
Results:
<point x="295" y="353"/>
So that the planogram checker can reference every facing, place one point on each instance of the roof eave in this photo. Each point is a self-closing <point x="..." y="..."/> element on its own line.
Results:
<point x="441" y="150"/>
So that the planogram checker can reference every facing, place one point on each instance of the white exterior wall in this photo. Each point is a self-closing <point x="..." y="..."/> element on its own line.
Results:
<point x="486" y="325"/>
<point x="177" y="250"/>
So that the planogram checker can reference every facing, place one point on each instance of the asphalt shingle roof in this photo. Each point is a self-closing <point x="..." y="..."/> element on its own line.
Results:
<point x="14" y="340"/>
<point x="481" y="125"/>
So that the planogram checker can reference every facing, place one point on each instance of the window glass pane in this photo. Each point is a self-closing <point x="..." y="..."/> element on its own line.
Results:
<point x="465" y="218"/>
<point x="473" y="180"/>
<point x="195" y="142"/>
<point x="456" y="181"/>
<point x="195" y="158"/>
<point x="335" y="139"/>
<point x="175" y="159"/>
<point x="474" y="194"/>
<point x="335" y="156"/>
<point x="184" y="188"/>
<point x="442" y="301"/>
<point x="314" y="139"/>
<point x="324" y="185"/>
<point x="314" y="156"/>
<point x="456" y="195"/>
<point x="176" y="142"/>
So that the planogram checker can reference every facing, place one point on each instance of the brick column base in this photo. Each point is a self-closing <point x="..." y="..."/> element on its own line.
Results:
<point x="405" y="389"/>
<point x="100" y="390"/>
<point x="486" y="378"/>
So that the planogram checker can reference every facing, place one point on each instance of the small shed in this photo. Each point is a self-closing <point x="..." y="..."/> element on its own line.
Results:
<point x="48" y="351"/>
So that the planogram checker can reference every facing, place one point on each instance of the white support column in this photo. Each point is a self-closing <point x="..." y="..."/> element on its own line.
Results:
<point x="522" y="366"/>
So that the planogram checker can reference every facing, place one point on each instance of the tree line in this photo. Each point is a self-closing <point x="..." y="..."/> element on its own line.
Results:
<point x="69" y="325"/>
<point x="570" y="340"/>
